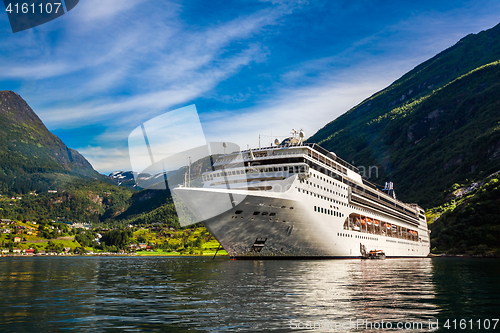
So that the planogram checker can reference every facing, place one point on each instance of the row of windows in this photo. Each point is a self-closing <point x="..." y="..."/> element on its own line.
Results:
<point x="352" y="207"/>
<point x="321" y="197"/>
<point x="328" y="211"/>
<point x="382" y="199"/>
<point x="326" y="189"/>
<point x="396" y="214"/>
<point x="291" y="169"/>
<point x="270" y="214"/>
<point x="340" y="234"/>
<point x="264" y="213"/>
<point x="327" y="180"/>
<point x="363" y="191"/>
<point x="369" y="225"/>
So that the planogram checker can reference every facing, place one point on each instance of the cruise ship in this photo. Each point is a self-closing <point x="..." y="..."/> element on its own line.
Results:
<point x="297" y="200"/>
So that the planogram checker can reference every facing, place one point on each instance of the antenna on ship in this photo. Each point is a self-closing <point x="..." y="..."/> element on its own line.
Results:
<point x="225" y="146"/>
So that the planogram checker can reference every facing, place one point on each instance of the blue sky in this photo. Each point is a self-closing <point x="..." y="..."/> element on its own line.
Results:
<point x="250" y="67"/>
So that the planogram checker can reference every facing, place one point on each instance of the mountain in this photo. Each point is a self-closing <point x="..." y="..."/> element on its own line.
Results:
<point x="33" y="161"/>
<point x="435" y="133"/>
<point x="32" y="158"/>
<point x="470" y="221"/>
<point x="437" y="125"/>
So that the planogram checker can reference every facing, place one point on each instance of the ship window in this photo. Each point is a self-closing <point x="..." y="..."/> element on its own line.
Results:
<point x="285" y="168"/>
<point x="314" y="208"/>
<point x="291" y="207"/>
<point x="264" y="213"/>
<point x="322" y="210"/>
<point x="238" y="212"/>
<point x="272" y="214"/>
<point x="256" y="213"/>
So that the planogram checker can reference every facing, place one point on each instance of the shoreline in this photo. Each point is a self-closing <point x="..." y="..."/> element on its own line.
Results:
<point x="155" y="254"/>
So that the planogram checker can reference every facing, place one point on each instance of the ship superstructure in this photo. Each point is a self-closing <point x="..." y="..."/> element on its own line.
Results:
<point x="296" y="199"/>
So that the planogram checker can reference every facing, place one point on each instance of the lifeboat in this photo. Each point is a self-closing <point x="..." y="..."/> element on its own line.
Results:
<point x="374" y="254"/>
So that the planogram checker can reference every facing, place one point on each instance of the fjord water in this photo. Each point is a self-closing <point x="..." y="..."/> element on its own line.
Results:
<point x="177" y="294"/>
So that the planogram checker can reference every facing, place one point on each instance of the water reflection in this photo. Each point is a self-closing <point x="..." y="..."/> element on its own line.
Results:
<point x="180" y="294"/>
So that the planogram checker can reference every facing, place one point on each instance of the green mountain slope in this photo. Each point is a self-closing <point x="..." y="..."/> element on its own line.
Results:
<point x="471" y="222"/>
<point x="437" y="125"/>
<point x="31" y="157"/>
<point x="33" y="161"/>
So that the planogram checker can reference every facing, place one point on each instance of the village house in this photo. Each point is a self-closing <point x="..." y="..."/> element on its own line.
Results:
<point x="29" y="251"/>
<point x="5" y="251"/>
<point x="143" y="245"/>
<point x="17" y="250"/>
<point x="17" y="239"/>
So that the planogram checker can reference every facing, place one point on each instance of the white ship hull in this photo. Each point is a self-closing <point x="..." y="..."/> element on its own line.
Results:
<point x="289" y="224"/>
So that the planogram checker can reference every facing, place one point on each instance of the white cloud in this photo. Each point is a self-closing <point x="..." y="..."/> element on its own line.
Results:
<point x="97" y="10"/>
<point x="106" y="160"/>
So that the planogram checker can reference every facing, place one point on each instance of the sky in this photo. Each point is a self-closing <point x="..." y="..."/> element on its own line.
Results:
<point x="251" y="68"/>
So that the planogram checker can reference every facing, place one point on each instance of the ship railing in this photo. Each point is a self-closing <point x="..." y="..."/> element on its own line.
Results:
<point x="245" y="159"/>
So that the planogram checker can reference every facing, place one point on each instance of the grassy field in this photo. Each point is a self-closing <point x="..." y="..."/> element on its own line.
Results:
<point x="161" y="241"/>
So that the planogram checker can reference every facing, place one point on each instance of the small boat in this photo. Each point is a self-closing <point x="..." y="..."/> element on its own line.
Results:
<point x="372" y="254"/>
<point x="375" y="254"/>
